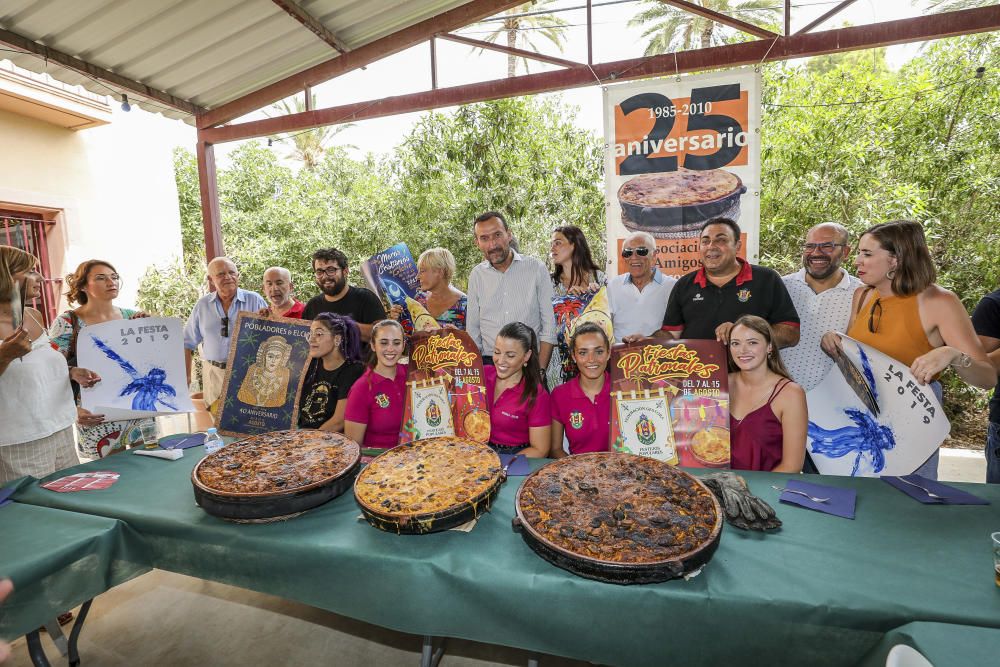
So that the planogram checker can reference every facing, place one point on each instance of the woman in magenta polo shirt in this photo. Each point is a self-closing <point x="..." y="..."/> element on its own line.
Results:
<point x="374" y="410"/>
<point x="519" y="404"/>
<point x="581" y="408"/>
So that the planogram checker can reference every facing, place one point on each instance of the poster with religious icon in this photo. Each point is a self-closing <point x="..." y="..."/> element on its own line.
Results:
<point x="445" y="388"/>
<point x="848" y="437"/>
<point x="392" y="274"/>
<point x="264" y="374"/>
<point x="670" y="401"/>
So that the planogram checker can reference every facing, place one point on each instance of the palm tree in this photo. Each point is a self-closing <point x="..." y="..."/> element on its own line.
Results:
<point x="950" y="5"/>
<point x="519" y="25"/>
<point x="309" y="146"/>
<point x="672" y="29"/>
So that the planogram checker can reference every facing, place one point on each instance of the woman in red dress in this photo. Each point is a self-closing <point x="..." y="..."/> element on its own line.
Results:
<point x="768" y="418"/>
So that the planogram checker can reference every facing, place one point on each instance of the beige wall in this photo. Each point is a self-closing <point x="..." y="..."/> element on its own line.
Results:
<point x="110" y="189"/>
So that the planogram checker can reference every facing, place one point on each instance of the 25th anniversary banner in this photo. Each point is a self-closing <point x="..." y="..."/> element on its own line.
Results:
<point x="680" y="153"/>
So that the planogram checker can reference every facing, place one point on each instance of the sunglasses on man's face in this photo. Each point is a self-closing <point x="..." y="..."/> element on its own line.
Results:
<point x="642" y="251"/>
<point x="225" y="327"/>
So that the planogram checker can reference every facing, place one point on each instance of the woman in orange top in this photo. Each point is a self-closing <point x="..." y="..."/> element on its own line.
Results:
<point x="902" y="313"/>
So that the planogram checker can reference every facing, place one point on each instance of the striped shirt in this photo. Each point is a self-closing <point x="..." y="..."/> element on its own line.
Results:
<point x="522" y="293"/>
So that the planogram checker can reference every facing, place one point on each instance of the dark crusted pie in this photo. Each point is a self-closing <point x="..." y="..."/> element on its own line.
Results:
<point x="277" y="462"/>
<point x="619" y="508"/>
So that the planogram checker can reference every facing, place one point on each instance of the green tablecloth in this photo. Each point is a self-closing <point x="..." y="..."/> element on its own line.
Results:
<point x="941" y="644"/>
<point x="58" y="560"/>
<point x="822" y="591"/>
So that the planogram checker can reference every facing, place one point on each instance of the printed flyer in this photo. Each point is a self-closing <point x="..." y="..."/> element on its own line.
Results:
<point x="446" y="394"/>
<point x="681" y="151"/>
<point x="264" y="375"/>
<point x="141" y="364"/>
<point x="846" y="437"/>
<point x="392" y="274"/>
<point x="670" y="401"/>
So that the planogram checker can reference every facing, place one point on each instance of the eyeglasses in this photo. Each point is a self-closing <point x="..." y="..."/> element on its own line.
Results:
<point x="330" y="271"/>
<point x="825" y="248"/>
<point x="225" y="328"/>
<point x="873" y="319"/>
<point x="317" y="335"/>
<point x="104" y="278"/>
<point x="642" y="251"/>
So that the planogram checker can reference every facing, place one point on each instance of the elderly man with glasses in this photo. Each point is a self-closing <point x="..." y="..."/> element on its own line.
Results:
<point x="639" y="298"/>
<point x="362" y="305"/>
<point x="212" y="321"/>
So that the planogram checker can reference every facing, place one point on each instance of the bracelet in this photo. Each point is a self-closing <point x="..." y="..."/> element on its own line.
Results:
<point x="964" y="361"/>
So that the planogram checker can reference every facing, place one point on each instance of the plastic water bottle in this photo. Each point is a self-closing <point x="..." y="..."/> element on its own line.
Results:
<point x="213" y="441"/>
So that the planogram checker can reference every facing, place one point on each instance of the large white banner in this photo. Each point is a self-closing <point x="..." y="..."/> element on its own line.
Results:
<point x="141" y="364"/>
<point x="680" y="151"/>
<point x="847" y="438"/>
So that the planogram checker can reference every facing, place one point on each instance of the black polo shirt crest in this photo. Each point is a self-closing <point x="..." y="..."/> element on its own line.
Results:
<point x="697" y="307"/>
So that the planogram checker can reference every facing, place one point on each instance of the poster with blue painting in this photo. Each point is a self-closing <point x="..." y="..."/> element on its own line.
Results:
<point x="141" y="364"/>
<point x="870" y="418"/>
<point x="392" y="274"/>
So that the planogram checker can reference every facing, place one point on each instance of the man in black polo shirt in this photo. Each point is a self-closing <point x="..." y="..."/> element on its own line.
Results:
<point x="706" y="302"/>
<point x="330" y="269"/>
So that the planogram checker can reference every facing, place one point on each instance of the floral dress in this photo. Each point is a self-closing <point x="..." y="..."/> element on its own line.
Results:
<point x="95" y="442"/>
<point x="567" y="308"/>
<point x="455" y="316"/>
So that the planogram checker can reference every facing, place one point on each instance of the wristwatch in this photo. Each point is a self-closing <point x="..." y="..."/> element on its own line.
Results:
<point x="964" y="361"/>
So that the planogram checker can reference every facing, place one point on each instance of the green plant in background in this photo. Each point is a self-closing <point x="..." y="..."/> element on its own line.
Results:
<point x="844" y="138"/>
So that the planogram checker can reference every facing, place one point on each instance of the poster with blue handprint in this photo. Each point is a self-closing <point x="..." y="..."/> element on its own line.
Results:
<point x="847" y="437"/>
<point x="392" y="274"/>
<point x="141" y="364"/>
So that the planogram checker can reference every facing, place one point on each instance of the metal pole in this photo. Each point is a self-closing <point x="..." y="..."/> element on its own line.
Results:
<point x="434" y="64"/>
<point x="211" y="218"/>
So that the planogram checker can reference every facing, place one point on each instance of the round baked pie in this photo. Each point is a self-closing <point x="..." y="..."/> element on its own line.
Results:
<point x="275" y="474"/>
<point x="710" y="446"/>
<point x="429" y="485"/>
<point x="681" y="200"/>
<point x="618" y="517"/>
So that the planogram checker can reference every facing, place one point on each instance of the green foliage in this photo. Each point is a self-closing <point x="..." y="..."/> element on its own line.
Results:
<point x="673" y="29"/>
<point x="844" y="139"/>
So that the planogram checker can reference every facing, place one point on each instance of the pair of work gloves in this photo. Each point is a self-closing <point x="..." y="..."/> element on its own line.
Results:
<point x="743" y="509"/>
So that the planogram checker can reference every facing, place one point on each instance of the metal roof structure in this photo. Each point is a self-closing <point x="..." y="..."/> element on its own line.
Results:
<point x="212" y="62"/>
<point x="192" y="55"/>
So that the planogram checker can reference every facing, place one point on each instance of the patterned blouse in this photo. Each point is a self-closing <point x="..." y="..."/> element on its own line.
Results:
<point x="95" y="442"/>
<point x="455" y="316"/>
<point x="566" y="309"/>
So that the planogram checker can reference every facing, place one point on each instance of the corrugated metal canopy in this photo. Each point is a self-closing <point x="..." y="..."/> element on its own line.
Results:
<point x="207" y="52"/>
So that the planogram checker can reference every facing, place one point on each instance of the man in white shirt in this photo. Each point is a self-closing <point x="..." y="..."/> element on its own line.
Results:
<point x="638" y="299"/>
<point x="822" y="292"/>
<point x="507" y="287"/>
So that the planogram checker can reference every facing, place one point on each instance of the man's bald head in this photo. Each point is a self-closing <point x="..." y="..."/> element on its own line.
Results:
<point x="278" y="287"/>
<point x="843" y="235"/>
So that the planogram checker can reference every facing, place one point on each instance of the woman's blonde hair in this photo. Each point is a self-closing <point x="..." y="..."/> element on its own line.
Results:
<point x="760" y="325"/>
<point x="13" y="260"/>
<point x="438" y="258"/>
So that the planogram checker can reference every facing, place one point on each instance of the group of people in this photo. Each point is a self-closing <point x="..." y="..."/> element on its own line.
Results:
<point x="547" y="380"/>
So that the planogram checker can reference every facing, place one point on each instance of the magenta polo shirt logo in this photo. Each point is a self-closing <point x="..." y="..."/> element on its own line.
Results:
<point x="576" y="420"/>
